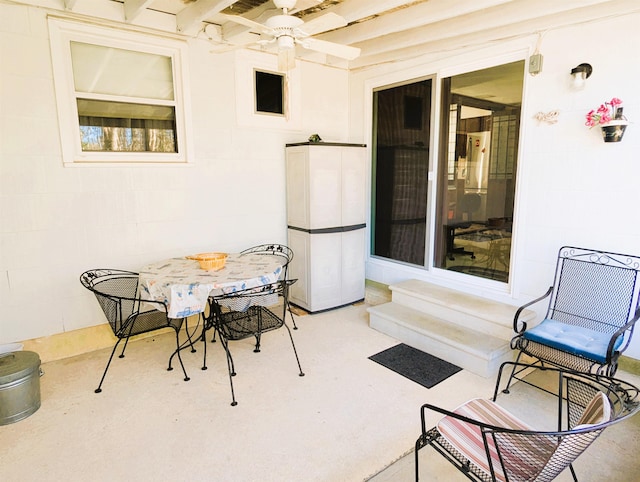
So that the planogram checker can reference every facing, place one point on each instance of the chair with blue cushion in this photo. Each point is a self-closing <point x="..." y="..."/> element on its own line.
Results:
<point x="592" y="311"/>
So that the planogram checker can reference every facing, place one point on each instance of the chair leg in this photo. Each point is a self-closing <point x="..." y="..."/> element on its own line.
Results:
<point x="291" y="313"/>
<point x="573" y="473"/>
<point x="415" y="453"/>
<point x="190" y="335"/>
<point x="186" y="377"/>
<point x="258" y="331"/>
<point x="230" y="368"/>
<point x="179" y="347"/>
<point x="204" y="347"/>
<point x="104" y="374"/>
<point x="513" y="372"/>
<point x="295" y="352"/>
<point x="126" y="341"/>
<point x="212" y="324"/>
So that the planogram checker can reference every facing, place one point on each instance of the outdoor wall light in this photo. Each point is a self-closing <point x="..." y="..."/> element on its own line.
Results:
<point x="579" y="74"/>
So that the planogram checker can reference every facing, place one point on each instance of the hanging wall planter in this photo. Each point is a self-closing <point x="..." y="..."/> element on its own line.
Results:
<point x="610" y="120"/>
<point x="614" y="130"/>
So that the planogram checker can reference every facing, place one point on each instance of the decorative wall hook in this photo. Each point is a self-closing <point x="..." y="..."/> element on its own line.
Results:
<point x="550" y="117"/>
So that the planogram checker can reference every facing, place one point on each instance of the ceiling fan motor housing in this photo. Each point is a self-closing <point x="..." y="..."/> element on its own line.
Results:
<point x="283" y="21"/>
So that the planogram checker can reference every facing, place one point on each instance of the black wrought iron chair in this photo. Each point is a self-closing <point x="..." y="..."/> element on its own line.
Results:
<point x="249" y="313"/>
<point x="593" y="308"/>
<point x="276" y="250"/>
<point x="127" y="314"/>
<point x="488" y="443"/>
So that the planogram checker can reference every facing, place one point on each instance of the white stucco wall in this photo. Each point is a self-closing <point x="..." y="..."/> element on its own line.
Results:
<point x="56" y="222"/>
<point x="573" y="189"/>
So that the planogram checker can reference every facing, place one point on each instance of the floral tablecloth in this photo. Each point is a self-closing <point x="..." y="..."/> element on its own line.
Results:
<point x="185" y="288"/>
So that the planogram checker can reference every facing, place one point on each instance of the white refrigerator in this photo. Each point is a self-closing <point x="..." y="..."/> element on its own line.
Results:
<point x="326" y="223"/>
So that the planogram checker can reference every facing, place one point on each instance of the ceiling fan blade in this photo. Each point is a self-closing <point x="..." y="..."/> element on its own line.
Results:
<point x="326" y="22"/>
<point x="337" y="50"/>
<point x="248" y="23"/>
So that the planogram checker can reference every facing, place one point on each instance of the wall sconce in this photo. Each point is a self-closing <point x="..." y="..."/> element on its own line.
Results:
<point x="579" y="74"/>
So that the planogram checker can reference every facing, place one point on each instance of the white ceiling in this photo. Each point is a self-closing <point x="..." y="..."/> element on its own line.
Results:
<point x="384" y="30"/>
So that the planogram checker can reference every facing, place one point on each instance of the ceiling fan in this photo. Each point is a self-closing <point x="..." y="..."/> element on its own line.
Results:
<point x="286" y="31"/>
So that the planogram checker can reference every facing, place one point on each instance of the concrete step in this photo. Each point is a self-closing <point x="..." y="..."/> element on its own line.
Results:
<point x="476" y="313"/>
<point x="478" y="352"/>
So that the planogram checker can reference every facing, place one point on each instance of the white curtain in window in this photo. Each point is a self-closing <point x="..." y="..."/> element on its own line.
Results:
<point x="106" y="70"/>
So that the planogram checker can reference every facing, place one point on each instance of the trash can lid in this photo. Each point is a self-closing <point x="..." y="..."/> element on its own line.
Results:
<point x="17" y="365"/>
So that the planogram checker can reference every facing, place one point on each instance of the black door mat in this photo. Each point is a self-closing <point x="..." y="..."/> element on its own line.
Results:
<point x="416" y="365"/>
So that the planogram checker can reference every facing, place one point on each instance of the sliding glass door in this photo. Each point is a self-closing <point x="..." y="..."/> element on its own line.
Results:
<point x="477" y="171"/>
<point x="475" y="182"/>
<point x="401" y="140"/>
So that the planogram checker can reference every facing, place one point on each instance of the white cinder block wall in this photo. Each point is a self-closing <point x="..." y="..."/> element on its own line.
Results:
<point x="56" y="222"/>
<point x="573" y="189"/>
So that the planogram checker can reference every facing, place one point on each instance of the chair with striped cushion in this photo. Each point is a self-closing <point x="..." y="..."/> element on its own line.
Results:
<point x="488" y="443"/>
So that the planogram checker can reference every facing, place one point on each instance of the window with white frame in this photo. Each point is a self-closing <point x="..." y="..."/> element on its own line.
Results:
<point x="119" y="94"/>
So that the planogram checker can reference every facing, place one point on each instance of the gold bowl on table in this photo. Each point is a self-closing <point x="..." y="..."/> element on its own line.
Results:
<point x="210" y="261"/>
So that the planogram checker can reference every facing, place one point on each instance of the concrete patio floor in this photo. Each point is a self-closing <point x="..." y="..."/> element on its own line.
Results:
<point x="348" y="419"/>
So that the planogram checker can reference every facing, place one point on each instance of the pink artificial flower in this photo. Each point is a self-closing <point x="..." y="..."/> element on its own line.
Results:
<point x="604" y="114"/>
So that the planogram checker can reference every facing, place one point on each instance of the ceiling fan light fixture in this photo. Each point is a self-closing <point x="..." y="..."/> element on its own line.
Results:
<point x="286" y="42"/>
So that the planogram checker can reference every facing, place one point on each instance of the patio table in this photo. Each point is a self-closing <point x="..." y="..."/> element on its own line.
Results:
<point x="185" y="287"/>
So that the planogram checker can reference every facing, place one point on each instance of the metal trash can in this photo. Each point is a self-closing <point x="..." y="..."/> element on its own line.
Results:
<point x="19" y="385"/>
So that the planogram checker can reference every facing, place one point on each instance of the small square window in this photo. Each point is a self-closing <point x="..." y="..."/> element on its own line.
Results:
<point x="269" y="93"/>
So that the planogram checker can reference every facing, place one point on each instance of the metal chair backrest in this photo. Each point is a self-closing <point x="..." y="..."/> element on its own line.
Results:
<point x="487" y="442"/>
<point x="266" y="299"/>
<point x="594" y="289"/>
<point x="116" y="292"/>
<point x="553" y="452"/>
<point x="273" y="250"/>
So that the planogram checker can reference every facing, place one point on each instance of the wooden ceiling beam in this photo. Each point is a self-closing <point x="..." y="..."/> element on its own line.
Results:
<point x="409" y="18"/>
<point x="189" y="19"/>
<point x="133" y="8"/>
<point x="440" y="43"/>
<point x="485" y="20"/>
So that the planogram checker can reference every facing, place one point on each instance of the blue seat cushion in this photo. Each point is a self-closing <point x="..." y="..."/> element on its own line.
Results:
<point x="577" y="340"/>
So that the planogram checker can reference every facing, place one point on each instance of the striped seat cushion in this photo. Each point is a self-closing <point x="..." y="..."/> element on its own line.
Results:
<point x="596" y="412"/>
<point x="527" y="457"/>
